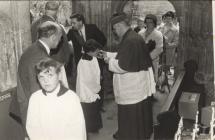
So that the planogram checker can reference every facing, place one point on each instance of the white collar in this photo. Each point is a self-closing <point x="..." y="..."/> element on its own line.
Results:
<point x="55" y="92"/>
<point x="46" y="46"/>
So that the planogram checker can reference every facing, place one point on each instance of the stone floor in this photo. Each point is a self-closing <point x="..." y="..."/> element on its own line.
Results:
<point x="110" y="117"/>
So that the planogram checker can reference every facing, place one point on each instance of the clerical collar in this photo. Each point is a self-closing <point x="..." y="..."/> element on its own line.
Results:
<point x="45" y="46"/>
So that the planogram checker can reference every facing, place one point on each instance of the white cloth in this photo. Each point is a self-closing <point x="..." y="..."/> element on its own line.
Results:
<point x="52" y="117"/>
<point x="88" y="80"/>
<point x="130" y="87"/>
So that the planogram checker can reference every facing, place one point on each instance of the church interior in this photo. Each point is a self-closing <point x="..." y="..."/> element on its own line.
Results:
<point x="185" y="112"/>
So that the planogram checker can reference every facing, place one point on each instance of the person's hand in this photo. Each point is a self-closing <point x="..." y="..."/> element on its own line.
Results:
<point x="107" y="59"/>
<point x="101" y="54"/>
<point x="151" y="45"/>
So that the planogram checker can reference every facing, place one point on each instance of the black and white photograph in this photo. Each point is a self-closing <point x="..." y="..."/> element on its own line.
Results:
<point x="107" y="70"/>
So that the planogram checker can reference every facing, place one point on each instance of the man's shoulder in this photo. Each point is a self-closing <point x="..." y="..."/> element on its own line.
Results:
<point x="32" y="53"/>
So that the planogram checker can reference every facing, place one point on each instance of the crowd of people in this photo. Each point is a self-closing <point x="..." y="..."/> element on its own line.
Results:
<point x="54" y="108"/>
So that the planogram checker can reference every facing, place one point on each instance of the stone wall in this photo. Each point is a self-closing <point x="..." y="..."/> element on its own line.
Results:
<point x="14" y="38"/>
<point x="37" y="9"/>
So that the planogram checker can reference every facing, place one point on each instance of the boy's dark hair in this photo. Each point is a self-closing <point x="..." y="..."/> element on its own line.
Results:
<point x="47" y="63"/>
<point x="79" y="17"/>
<point x="170" y="14"/>
<point x="91" y="45"/>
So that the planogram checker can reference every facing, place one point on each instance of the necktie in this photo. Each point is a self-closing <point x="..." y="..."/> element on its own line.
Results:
<point x="82" y="41"/>
<point x="80" y="32"/>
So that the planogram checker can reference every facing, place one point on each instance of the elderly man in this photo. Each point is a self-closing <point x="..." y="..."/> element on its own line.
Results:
<point x="63" y="52"/>
<point x="49" y="34"/>
<point x="133" y="81"/>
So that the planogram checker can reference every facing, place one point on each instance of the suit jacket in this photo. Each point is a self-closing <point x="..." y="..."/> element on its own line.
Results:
<point x="62" y="53"/>
<point x="92" y="32"/>
<point x="26" y="78"/>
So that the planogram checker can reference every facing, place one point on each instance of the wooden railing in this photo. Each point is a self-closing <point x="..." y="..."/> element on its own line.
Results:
<point x="173" y="92"/>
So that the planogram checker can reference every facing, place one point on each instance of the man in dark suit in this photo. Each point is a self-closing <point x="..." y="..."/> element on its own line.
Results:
<point x="63" y="51"/>
<point x="49" y="34"/>
<point x="82" y="32"/>
<point x="78" y="36"/>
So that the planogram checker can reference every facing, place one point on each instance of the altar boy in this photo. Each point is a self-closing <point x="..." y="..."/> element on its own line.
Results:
<point x="54" y="112"/>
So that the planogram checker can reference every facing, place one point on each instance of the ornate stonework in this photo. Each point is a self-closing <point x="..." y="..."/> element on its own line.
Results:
<point x="64" y="12"/>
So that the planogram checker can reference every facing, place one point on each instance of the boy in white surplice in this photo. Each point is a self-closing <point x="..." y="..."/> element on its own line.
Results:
<point x="54" y="112"/>
<point x="88" y="85"/>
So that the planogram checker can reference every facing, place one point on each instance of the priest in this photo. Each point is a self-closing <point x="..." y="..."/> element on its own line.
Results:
<point x="133" y="81"/>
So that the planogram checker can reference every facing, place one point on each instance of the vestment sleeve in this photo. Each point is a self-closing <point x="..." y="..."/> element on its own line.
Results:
<point x="114" y="66"/>
<point x="111" y="55"/>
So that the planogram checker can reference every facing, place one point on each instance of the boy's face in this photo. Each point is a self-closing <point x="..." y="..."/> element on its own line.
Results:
<point x="94" y="53"/>
<point x="48" y="79"/>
